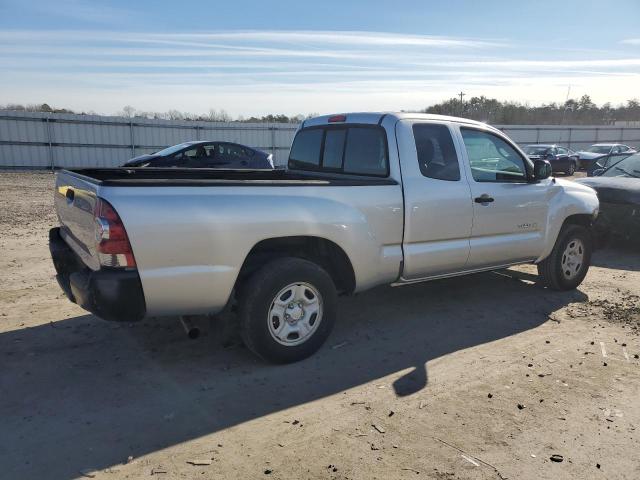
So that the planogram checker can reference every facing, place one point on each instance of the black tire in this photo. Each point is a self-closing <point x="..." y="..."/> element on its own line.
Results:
<point x="572" y="169"/>
<point x="550" y="269"/>
<point x="257" y="297"/>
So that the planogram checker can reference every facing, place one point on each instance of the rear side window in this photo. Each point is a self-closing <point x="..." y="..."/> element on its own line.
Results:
<point x="358" y="150"/>
<point x="437" y="156"/>
<point x="305" y="151"/>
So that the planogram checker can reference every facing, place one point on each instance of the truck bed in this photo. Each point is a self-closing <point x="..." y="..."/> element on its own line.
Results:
<point x="210" y="177"/>
<point x="190" y="241"/>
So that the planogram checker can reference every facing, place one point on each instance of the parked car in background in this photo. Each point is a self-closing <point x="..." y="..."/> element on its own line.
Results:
<point x="370" y="199"/>
<point x="205" y="154"/>
<point x="618" y="189"/>
<point x="561" y="158"/>
<point x="607" y="161"/>
<point x="600" y="151"/>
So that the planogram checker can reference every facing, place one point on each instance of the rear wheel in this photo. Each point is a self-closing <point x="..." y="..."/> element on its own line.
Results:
<point x="568" y="263"/>
<point x="287" y="310"/>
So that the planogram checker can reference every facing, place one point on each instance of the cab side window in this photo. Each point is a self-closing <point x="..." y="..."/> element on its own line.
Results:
<point x="492" y="159"/>
<point x="437" y="156"/>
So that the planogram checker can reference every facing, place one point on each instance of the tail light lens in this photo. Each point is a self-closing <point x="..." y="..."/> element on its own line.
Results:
<point x="112" y="242"/>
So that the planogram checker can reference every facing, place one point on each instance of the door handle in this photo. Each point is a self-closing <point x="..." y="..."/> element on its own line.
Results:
<point x="484" y="198"/>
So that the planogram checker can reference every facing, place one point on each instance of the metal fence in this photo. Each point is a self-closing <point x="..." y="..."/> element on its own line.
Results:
<point x="576" y="137"/>
<point x="41" y="140"/>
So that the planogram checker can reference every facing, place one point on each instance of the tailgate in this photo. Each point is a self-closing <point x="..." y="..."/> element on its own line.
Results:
<point x="75" y="200"/>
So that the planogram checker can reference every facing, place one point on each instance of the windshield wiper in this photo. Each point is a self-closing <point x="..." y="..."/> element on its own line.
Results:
<point x="627" y="173"/>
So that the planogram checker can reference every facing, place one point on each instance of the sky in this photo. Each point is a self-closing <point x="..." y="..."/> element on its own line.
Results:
<point x="254" y="57"/>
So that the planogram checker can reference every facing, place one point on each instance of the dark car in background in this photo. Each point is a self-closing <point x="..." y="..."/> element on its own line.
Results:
<point x="618" y="189"/>
<point x="601" y="152"/>
<point x="561" y="158"/>
<point x="205" y="154"/>
<point x="606" y="162"/>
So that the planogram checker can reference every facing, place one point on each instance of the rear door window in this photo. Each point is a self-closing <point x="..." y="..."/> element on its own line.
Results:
<point x="359" y="150"/>
<point x="437" y="156"/>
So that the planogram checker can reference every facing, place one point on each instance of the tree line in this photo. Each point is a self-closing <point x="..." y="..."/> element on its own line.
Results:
<point x="130" y="112"/>
<point x="582" y="111"/>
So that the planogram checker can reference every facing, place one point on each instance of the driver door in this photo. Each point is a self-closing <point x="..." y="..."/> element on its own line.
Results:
<point x="509" y="211"/>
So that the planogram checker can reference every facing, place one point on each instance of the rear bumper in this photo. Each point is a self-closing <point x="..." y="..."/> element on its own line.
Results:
<point x="110" y="294"/>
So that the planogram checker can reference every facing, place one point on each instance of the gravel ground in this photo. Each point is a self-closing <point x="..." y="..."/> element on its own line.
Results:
<point x="483" y="377"/>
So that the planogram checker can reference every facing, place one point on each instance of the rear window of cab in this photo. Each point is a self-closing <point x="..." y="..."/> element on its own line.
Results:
<point x="352" y="149"/>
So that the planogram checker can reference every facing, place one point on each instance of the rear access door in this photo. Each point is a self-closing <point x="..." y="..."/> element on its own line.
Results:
<point x="438" y="205"/>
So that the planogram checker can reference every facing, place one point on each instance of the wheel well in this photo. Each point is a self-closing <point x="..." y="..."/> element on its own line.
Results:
<point x="583" y="219"/>
<point x="320" y="251"/>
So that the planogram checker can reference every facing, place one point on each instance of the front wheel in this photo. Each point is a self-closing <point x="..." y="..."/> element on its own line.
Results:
<point x="287" y="310"/>
<point x="572" y="169"/>
<point x="568" y="263"/>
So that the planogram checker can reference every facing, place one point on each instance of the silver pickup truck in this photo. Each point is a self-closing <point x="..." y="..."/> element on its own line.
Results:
<point x="367" y="199"/>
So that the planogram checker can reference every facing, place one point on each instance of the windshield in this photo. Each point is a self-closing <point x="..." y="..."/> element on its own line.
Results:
<point x="599" y="149"/>
<point x="629" y="167"/>
<point x="535" y="150"/>
<point x="173" y="149"/>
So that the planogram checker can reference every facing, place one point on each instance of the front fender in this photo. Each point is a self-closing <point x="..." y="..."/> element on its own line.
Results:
<point x="568" y="198"/>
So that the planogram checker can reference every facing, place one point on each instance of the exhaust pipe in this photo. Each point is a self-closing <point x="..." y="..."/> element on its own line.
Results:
<point x="191" y="330"/>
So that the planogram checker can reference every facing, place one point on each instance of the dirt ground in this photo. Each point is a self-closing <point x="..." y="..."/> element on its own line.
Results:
<point x="483" y="377"/>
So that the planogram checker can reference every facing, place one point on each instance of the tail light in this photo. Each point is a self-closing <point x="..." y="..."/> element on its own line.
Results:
<point x="112" y="242"/>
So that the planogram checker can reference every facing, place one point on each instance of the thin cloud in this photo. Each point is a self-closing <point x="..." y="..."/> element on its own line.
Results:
<point x="617" y="62"/>
<point x="306" y="37"/>
<point x="345" y="38"/>
<point x="631" y="41"/>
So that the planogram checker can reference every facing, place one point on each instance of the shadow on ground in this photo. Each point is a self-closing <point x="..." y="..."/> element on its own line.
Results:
<point x="81" y="392"/>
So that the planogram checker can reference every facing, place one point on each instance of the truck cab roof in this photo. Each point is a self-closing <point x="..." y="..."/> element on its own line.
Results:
<point x="377" y="118"/>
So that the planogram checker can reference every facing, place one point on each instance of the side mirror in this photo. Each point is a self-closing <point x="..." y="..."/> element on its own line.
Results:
<point x="550" y="156"/>
<point x="598" y="171"/>
<point x="541" y="169"/>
